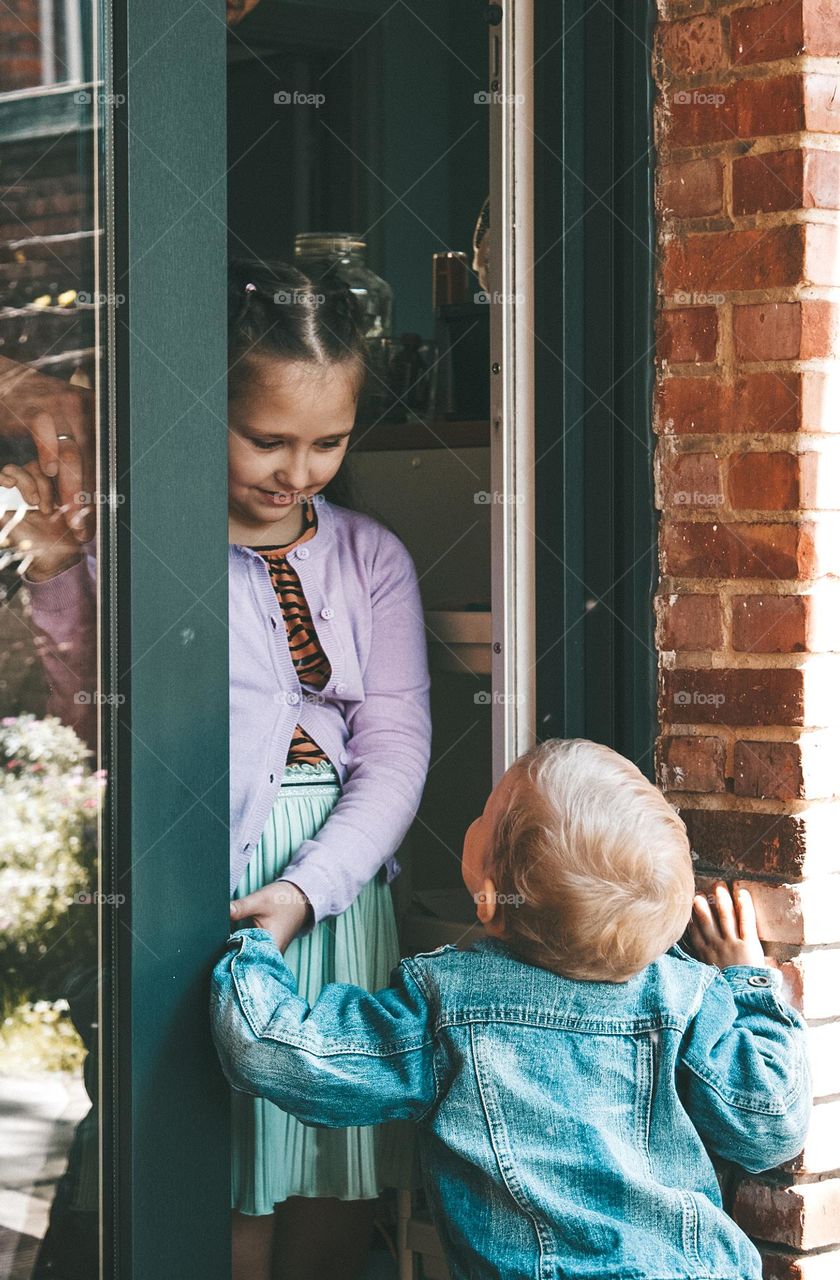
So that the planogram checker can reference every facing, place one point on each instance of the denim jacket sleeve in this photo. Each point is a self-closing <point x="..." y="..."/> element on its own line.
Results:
<point x="351" y="1058"/>
<point x="746" y="1075"/>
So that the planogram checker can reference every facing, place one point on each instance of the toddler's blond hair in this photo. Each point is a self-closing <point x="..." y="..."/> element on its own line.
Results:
<point x="591" y="863"/>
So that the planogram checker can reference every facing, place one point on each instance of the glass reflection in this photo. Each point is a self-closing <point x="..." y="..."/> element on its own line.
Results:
<point x="51" y="777"/>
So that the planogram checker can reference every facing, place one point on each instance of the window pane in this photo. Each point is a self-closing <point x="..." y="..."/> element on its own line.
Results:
<point x="56" y="908"/>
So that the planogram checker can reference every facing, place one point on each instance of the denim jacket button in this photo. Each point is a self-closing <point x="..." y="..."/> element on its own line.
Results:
<point x="758" y="980"/>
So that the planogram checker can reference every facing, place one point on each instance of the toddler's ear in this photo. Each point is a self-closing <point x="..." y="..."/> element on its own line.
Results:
<point x="485" y="902"/>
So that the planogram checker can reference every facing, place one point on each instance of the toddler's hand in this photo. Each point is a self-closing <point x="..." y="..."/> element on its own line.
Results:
<point x="280" y="907"/>
<point x="723" y="932"/>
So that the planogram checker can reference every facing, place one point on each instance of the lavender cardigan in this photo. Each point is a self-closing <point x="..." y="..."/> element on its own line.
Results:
<point x="372" y="719"/>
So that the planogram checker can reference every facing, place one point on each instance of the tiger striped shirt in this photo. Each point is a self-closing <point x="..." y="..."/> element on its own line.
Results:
<point x="310" y="661"/>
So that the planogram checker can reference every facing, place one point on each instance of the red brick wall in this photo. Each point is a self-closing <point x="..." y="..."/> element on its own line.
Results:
<point x="747" y="413"/>
<point x="20" y="56"/>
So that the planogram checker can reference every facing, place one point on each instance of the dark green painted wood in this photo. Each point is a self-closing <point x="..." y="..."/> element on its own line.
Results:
<point x="593" y="315"/>
<point x="170" y="581"/>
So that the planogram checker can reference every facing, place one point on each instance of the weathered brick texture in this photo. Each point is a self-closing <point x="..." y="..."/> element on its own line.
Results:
<point x="747" y="469"/>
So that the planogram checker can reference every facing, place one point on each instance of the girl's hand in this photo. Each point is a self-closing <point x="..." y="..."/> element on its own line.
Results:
<point x="723" y="932"/>
<point x="46" y="532"/>
<point x="281" y="908"/>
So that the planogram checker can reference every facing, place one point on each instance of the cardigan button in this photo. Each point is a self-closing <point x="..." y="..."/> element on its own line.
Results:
<point x="327" y="613"/>
<point x="342" y="756"/>
<point x="302" y="553"/>
<point x="294" y="699"/>
<point x="339" y="688"/>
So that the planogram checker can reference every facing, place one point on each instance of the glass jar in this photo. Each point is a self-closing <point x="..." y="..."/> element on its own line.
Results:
<point x="339" y="257"/>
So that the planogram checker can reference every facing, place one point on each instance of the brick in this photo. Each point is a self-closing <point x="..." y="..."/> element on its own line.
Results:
<point x="767" y="32"/>
<point x="693" y="117"/>
<point x="769" y="770"/>
<point x="765" y="402"/>
<point x="822" y="252"/>
<point x="802" y="1217"/>
<point x="691" y="764"/>
<point x="688" y="480"/>
<point x="814" y="985"/>
<point x="806" y="914"/>
<point x="763" y="258"/>
<point x="726" y="697"/>
<point x="744" y="550"/>
<point x="783" y="1266"/>
<point x="734" y="841"/>
<point x="821" y="179"/>
<point x="687" y="334"/>
<point x="824" y="1056"/>
<point x="688" y="622"/>
<point x="775" y="105"/>
<point x="693" y="189"/>
<point x="779" y="844"/>
<point x="686" y="406"/>
<point x="820" y="400"/>
<point x="689" y="47"/>
<point x="777" y="181"/>
<point x="763" y="481"/>
<point x="821" y="25"/>
<point x="822" y="108"/>
<point x="804" y="330"/>
<point x="769" y="183"/>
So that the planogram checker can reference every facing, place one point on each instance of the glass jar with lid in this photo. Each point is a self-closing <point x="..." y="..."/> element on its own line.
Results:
<point x="339" y="257"/>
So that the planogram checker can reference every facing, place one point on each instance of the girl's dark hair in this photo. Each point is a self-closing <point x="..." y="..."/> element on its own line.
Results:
<point x="288" y="316"/>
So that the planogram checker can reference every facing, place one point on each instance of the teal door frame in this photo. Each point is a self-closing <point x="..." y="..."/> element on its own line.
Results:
<point x="165" y="638"/>
<point x="593" y="282"/>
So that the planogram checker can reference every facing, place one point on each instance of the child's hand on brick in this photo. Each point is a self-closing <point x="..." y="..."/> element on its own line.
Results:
<point x="723" y="932"/>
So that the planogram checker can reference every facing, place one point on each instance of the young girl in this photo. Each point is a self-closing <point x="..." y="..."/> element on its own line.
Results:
<point x="330" y="738"/>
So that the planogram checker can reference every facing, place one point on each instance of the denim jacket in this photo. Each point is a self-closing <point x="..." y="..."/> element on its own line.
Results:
<point x="563" y="1126"/>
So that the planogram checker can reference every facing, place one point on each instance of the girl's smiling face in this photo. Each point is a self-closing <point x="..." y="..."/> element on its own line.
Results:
<point x="289" y="423"/>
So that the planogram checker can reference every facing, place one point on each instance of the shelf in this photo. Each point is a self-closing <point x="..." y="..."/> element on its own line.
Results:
<point x="421" y="435"/>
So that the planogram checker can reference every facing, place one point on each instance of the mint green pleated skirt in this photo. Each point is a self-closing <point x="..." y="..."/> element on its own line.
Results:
<point x="275" y="1156"/>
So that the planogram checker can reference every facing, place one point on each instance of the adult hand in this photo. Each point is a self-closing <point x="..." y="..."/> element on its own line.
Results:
<point x="723" y="932"/>
<point x="44" y="534"/>
<point x="43" y="407"/>
<point x="281" y="908"/>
